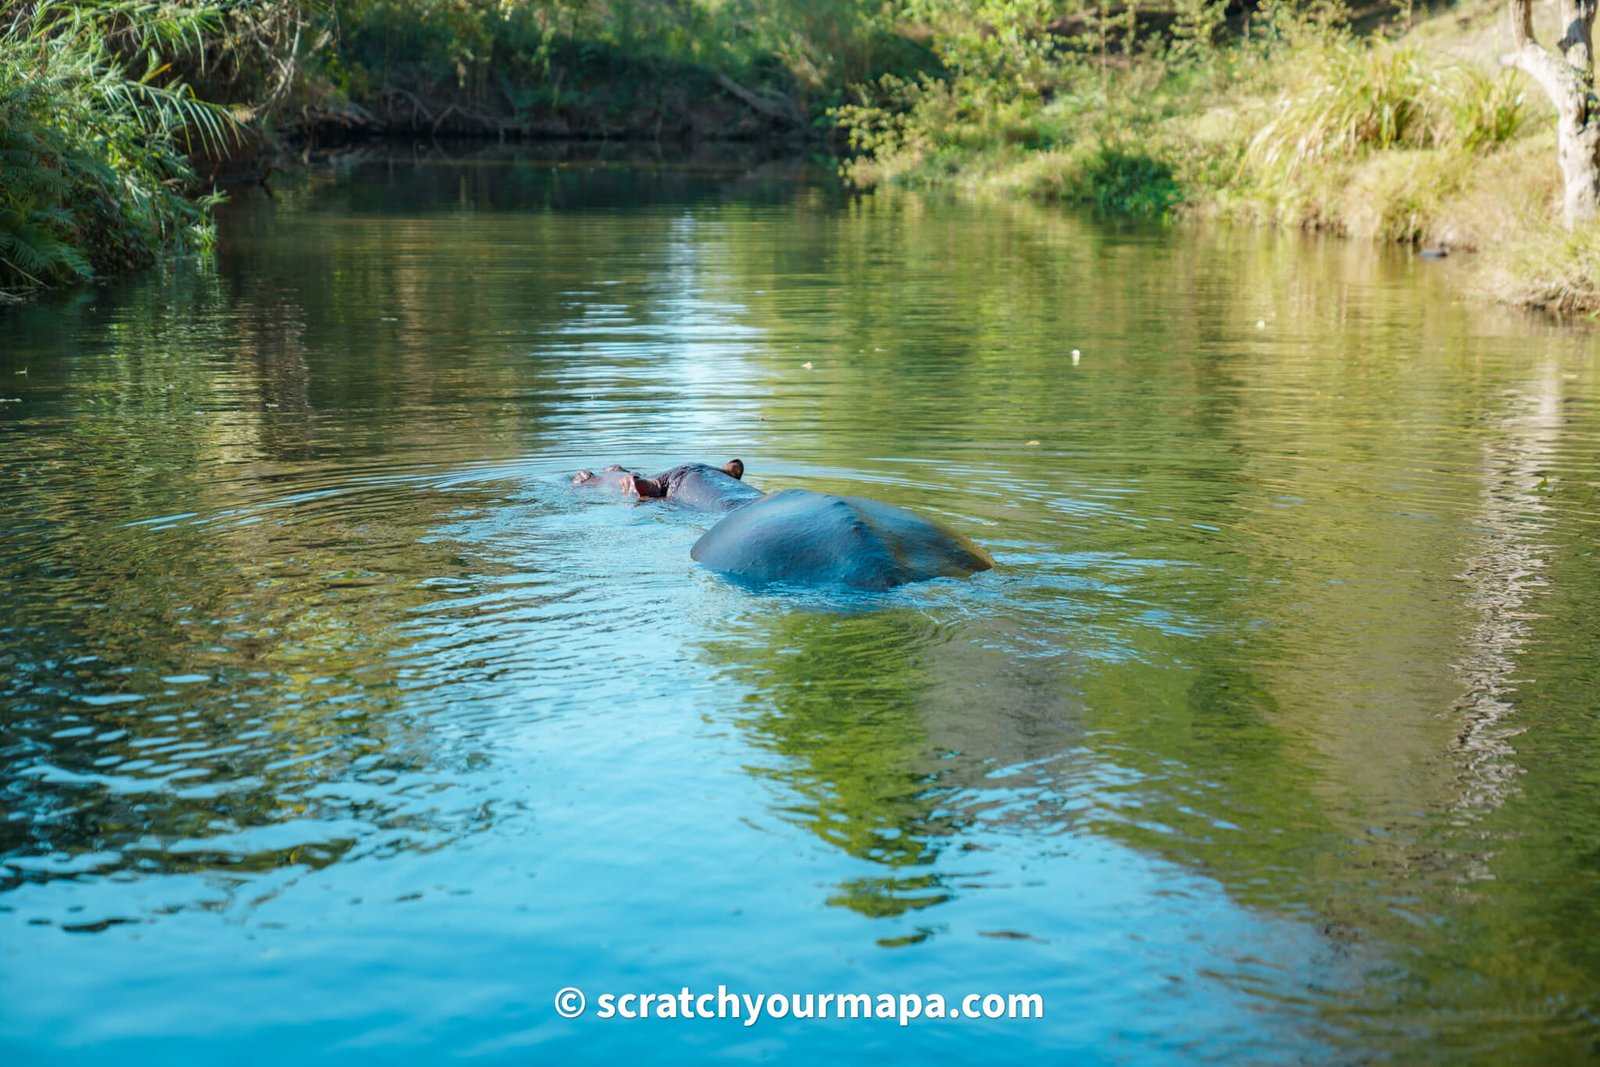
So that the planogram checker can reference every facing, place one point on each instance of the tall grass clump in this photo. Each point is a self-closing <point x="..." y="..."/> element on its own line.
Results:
<point x="95" y="134"/>
<point x="1358" y="98"/>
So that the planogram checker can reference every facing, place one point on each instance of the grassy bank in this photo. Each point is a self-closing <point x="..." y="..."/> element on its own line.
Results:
<point x="1405" y="129"/>
<point x="1384" y="124"/>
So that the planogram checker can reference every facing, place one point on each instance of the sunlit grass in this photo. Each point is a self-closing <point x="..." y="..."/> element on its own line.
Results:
<point x="1356" y="98"/>
<point x="1367" y="137"/>
<point x="1550" y="268"/>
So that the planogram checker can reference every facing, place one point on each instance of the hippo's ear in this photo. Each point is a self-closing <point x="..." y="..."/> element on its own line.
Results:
<point x="734" y="467"/>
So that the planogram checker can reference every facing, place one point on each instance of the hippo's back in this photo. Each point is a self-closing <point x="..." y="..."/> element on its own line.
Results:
<point x="807" y="538"/>
<point x="697" y="485"/>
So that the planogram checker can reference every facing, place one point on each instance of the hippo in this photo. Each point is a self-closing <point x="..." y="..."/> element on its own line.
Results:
<point x="696" y="485"/>
<point x="797" y="536"/>
<point x="610" y="478"/>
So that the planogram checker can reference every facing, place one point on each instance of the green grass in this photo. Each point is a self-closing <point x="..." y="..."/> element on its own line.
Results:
<point x="1550" y="268"/>
<point x="1362" y="97"/>
<point x="1418" y="139"/>
<point x="1374" y="137"/>
<point x="1287" y="120"/>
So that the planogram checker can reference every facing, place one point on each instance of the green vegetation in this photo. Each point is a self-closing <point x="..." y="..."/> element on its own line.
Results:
<point x="106" y="105"/>
<point x="1271" y="124"/>
<point x="1401" y="128"/>
<point x="1285" y="115"/>
<point x="95" y="138"/>
<point x="1277" y="112"/>
<point x="631" y="65"/>
<point x="1550" y="268"/>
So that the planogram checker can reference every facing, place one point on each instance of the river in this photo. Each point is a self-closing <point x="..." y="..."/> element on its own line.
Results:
<point x="336" y="726"/>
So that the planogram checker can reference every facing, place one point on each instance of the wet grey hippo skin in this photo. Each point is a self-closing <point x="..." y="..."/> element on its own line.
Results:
<point x="797" y="536"/>
<point x="697" y="485"/>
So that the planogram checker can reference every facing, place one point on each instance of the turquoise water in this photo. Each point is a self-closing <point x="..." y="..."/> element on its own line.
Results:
<point x="337" y="726"/>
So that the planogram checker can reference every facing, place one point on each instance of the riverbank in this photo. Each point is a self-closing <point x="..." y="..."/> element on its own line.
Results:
<point x="1416" y="137"/>
<point x="118" y="121"/>
<point x="1403" y="128"/>
<point x="96" y="175"/>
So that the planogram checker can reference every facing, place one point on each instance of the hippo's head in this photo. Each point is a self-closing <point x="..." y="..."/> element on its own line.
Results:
<point x="591" y="478"/>
<point x="638" y="485"/>
<point x="693" y="484"/>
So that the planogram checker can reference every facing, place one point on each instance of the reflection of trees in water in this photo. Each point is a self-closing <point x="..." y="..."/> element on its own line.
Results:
<point x="1300" y="749"/>
<point x="840" y="704"/>
<point x="286" y="736"/>
<point x="887" y="724"/>
<point x="1521" y="877"/>
<point x="292" y="737"/>
<point x="1291" y="746"/>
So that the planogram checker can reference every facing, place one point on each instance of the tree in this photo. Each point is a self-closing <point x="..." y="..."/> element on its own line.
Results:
<point x="1568" y="81"/>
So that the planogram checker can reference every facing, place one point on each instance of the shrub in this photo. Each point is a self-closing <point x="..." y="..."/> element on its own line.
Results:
<point x="1129" y="183"/>
<point x="93" y="171"/>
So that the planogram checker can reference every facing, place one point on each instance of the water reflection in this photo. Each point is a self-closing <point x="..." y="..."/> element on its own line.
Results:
<point x="238" y="713"/>
<point x="1267" y="736"/>
<point x="870" y="714"/>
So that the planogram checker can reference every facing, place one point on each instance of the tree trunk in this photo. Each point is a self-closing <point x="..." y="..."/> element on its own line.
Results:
<point x="1567" y="81"/>
<point x="1577" y="36"/>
